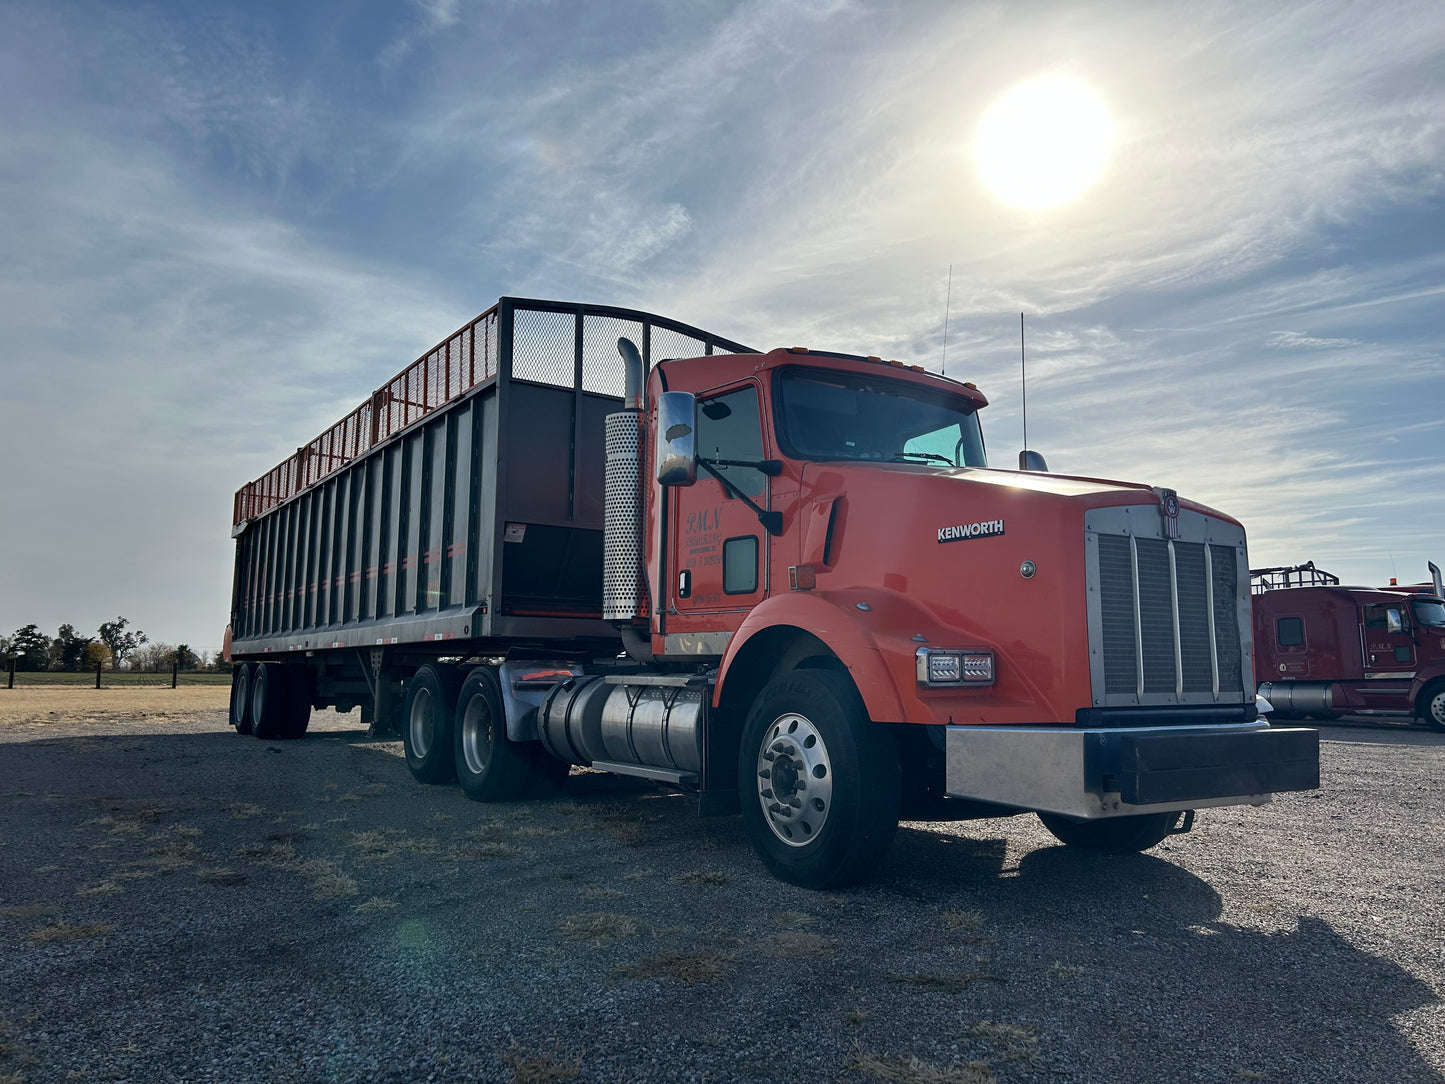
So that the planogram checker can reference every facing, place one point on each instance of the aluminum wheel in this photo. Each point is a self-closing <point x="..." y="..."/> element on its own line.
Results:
<point x="795" y="780"/>
<point x="477" y="736"/>
<point x="1435" y="709"/>
<point x="420" y="723"/>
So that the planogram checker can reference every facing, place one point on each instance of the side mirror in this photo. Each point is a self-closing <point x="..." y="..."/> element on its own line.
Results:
<point x="1032" y="461"/>
<point x="675" y="444"/>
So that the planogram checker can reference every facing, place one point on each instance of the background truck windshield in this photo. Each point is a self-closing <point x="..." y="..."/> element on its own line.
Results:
<point x="1429" y="613"/>
<point x="853" y="416"/>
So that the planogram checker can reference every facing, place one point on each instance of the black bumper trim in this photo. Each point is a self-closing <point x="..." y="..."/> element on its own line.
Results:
<point x="1163" y="767"/>
<point x="1179" y="715"/>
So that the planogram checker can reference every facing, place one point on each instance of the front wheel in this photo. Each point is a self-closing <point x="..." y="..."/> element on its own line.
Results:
<point x="1432" y="706"/>
<point x="819" y="782"/>
<point x="431" y="697"/>
<point x="1113" y="835"/>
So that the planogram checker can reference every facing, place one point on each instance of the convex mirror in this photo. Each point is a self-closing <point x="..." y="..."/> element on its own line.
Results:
<point x="676" y="441"/>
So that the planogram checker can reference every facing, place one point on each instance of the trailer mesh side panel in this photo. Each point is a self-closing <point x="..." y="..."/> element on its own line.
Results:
<point x="356" y="542"/>
<point x="543" y="347"/>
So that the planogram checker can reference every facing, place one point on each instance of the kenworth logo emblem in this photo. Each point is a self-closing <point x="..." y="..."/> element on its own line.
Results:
<point x="983" y="529"/>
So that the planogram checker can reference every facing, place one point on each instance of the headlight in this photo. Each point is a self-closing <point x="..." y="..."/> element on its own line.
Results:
<point x="951" y="666"/>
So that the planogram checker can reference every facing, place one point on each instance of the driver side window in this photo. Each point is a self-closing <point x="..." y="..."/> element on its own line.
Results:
<point x="728" y="427"/>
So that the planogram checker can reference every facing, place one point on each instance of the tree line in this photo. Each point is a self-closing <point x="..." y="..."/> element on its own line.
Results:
<point x="115" y="645"/>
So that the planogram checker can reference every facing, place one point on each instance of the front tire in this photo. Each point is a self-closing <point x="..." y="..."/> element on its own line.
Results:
<point x="819" y="781"/>
<point x="1113" y="835"/>
<point x="1432" y="706"/>
<point x="431" y="697"/>
<point x="241" y="698"/>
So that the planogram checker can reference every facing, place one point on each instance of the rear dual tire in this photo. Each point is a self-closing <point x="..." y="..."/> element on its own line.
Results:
<point x="241" y="698"/>
<point x="490" y="766"/>
<point x="279" y="697"/>
<point x="426" y="735"/>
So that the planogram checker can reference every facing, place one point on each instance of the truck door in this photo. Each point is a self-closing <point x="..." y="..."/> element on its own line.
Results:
<point x="719" y="549"/>
<point x="1290" y="646"/>
<point x="1389" y="653"/>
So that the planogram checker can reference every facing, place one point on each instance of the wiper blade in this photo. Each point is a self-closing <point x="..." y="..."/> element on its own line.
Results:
<point x="901" y="457"/>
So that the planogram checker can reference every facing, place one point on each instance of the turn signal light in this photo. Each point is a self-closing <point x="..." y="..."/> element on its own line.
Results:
<point x="942" y="666"/>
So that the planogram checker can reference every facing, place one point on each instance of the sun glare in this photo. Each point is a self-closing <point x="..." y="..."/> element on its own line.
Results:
<point x="1043" y="142"/>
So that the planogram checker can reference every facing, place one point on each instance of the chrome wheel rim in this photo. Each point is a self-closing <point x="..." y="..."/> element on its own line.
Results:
<point x="477" y="735"/>
<point x="1437" y="708"/>
<point x="420" y="724"/>
<point x="795" y="780"/>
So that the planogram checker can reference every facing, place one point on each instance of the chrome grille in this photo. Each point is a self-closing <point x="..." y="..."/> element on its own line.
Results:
<point x="1166" y="620"/>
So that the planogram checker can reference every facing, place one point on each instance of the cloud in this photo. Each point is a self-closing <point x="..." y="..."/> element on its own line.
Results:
<point x="1290" y="340"/>
<point x="225" y="229"/>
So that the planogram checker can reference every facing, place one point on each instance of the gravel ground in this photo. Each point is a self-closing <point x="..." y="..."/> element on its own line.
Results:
<point x="178" y="903"/>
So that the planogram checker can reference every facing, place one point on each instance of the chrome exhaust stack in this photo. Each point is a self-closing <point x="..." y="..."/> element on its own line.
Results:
<point x="624" y="588"/>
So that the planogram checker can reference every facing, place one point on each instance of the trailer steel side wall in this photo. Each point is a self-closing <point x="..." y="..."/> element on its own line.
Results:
<point x="481" y="521"/>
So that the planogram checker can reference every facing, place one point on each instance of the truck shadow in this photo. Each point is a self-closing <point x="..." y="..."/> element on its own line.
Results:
<point x="1137" y="943"/>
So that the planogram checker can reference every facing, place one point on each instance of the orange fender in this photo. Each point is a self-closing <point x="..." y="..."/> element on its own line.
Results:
<point x="831" y="620"/>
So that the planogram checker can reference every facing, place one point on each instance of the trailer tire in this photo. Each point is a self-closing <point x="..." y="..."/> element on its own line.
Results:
<point x="1113" y="835"/>
<point x="269" y="700"/>
<point x="490" y="767"/>
<point x="297" y="716"/>
<point x="828" y="817"/>
<point x="1431" y="706"/>
<point x="241" y="698"/>
<point x="426" y="733"/>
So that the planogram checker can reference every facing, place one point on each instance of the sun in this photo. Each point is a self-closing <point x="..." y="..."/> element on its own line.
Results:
<point x="1043" y="142"/>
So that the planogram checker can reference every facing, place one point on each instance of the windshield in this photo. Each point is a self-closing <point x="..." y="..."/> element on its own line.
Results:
<point x="853" y="416"/>
<point x="1429" y="613"/>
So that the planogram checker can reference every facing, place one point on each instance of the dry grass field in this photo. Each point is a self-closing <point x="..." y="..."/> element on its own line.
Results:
<point x="56" y="708"/>
<point x="178" y="902"/>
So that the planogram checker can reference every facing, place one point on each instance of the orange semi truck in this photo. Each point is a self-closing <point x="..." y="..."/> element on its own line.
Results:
<point x="787" y="582"/>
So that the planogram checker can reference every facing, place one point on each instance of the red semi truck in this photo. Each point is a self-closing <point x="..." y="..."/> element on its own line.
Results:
<point x="787" y="582"/>
<point x="1323" y="649"/>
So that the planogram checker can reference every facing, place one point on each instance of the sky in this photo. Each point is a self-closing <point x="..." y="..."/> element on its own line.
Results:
<point x="223" y="225"/>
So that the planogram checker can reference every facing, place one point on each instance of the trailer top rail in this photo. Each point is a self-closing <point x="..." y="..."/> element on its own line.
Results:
<point x="517" y="338"/>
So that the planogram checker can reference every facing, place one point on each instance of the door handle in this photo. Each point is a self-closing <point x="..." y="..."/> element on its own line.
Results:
<point x="684" y="583"/>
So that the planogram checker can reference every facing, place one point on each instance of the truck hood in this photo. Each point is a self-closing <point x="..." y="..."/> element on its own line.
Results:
<point x="995" y="558"/>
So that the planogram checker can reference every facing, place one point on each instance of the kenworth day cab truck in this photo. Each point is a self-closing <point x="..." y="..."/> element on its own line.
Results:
<point x="788" y="583"/>
<point x="1323" y="649"/>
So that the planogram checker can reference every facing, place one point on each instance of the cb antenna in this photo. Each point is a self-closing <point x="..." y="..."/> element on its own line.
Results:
<point x="1023" y="382"/>
<point x="948" y="298"/>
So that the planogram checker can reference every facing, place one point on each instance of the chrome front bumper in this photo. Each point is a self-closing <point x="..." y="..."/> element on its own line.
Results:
<point x="1116" y="772"/>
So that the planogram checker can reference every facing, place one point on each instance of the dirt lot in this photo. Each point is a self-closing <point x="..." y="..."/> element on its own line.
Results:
<point x="181" y="903"/>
